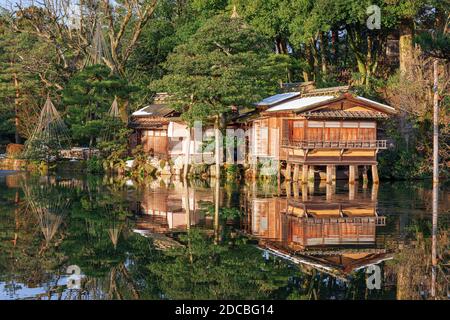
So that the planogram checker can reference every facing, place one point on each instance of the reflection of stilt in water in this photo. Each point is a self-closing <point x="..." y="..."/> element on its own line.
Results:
<point x="375" y="187"/>
<point x="288" y="189"/>
<point x="304" y="192"/>
<point x="352" y="187"/>
<point x="296" y="189"/>
<point x="311" y="188"/>
<point x="338" y="235"/>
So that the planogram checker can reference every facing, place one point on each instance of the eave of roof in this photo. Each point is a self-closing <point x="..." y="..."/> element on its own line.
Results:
<point x="277" y="98"/>
<point x="301" y="104"/>
<point x="154" y="110"/>
<point x="341" y="114"/>
<point x="304" y="104"/>
<point x="383" y="106"/>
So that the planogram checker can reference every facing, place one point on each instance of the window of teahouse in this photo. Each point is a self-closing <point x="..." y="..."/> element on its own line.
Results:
<point x="332" y="131"/>
<point x="297" y="130"/>
<point x="367" y="131"/>
<point x="349" y="131"/>
<point x="315" y="130"/>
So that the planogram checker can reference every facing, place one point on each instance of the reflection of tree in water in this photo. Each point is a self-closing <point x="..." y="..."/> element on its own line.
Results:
<point x="412" y="267"/>
<point x="37" y="217"/>
<point x="95" y="232"/>
<point x="204" y="270"/>
<point x="49" y="205"/>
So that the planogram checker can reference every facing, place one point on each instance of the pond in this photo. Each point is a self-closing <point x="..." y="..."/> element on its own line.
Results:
<point x="88" y="237"/>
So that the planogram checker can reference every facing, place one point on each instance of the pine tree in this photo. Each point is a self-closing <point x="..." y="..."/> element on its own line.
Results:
<point x="224" y="64"/>
<point x="88" y="97"/>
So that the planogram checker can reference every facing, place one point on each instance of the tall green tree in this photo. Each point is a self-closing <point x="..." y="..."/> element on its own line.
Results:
<point x="87" y="99"/>
<point x="224" y="64"/>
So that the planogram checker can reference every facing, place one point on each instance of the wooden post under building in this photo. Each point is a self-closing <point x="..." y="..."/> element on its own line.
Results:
<point x="375" y="174"/>
<point x="351" y="174"/>
<point x="330" y="174"/>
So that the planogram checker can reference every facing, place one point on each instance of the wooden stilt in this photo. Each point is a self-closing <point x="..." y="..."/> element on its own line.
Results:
<point x="288" y="171"/>
<point x="296" y="172"/>
<point x="351" y="174"/>
<point x="305" y="173"/>
<point x="375" y="174"/>
<point x="334" y="173"/>
<point x="330" y="191"/>
<point x="329" y="174"/>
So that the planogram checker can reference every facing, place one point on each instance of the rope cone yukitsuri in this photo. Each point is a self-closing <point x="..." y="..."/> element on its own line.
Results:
<point x="50" y="136"/>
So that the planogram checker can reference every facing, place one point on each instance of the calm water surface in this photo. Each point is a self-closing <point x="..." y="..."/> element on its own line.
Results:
<point x="75" y="237"/>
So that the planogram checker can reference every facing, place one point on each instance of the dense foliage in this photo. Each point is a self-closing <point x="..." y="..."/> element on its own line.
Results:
<point x="213" y="54"/>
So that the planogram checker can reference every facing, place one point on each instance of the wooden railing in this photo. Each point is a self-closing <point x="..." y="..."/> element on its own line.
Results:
<point x="302" y="144"/>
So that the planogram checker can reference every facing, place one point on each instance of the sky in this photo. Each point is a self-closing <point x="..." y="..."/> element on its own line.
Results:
<point x="10" y="3"/>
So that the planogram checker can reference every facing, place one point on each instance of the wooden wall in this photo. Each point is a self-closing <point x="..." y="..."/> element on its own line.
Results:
<point x="309" y="130"/>
<point x="155" y="141"/>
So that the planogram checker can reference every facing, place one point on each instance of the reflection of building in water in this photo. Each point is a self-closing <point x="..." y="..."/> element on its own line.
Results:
<point x="338" y="235"/>
<point x="164" y="209"/>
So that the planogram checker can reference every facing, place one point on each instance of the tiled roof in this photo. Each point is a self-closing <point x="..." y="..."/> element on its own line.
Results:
<point x="147" y="123"/>
<point x="331" y="91"/>
<point x="345" y="114"/>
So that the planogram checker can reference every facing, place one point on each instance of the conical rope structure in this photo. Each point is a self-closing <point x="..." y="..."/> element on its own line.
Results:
<point x="113" y="122"/>
<point x="98" y="52"/>
<point x="50" y="136"/>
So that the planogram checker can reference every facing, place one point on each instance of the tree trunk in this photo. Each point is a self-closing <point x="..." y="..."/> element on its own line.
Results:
<point x="315" y="58"/>
<point x="406" y="46"/>
<point x="16" y="108"/>
<point x="334" y="45"/>
<point x="187" y="158"/>
<point x="323" y="53"/>
<point x="308" y="58"/>
<point x="217" y="146"/>
<point x="281" y="45"/>
<point x="436" y="124"/>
